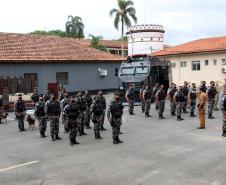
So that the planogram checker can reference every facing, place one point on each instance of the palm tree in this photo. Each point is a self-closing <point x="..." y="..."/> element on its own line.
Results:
<point x="95" y="42"/>
<point x="122" y="15"/>
<point x="74" y="27"/>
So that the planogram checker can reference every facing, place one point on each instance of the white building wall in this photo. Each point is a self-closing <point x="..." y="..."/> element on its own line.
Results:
<point x="145" y="39"/>
<point x="210" y="72"/>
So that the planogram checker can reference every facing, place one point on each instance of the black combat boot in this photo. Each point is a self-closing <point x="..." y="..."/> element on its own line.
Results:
<point x="71" y="142"/>
<point x="118" y="140"/>
<point x="211" y="117"/>
<point x="181" y="118"/>
<point x="57" y="137"/>
<point x="98" y="135"/>
<point x="102" y="128"/>
<point x="224" y="133"/>
<point x="115" y="141"/>
<point x="53" y="139"/>
<point x="76" y="142"/>
<point x="173" y="114"/>
<point x="178" y="118"/>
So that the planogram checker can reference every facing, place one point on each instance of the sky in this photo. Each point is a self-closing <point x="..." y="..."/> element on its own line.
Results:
<point x="183" y="20"/>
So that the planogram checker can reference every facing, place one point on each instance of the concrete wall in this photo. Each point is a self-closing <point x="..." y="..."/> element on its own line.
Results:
<point x="207" y="72"/>
<point x="82" y="76"/>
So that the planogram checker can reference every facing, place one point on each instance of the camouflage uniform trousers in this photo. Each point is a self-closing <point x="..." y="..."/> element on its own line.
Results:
<point x="97" y="123"/>
<point x="131" y="106"/>
<point x="161" y="107"/>
<point x="103" y="118"/>
<point x="73" y="128"/>
<point x="192" y="106"/>
<point x="185" y="104"/>
<point x="65" y="122"/>
<point x="87" y="117"/>
<point x="116" y="124"/>
<point x="224" y="122"/>
<point x="173" y="107"/>
<point x="210" y="106"/>
<point x="54" y="125"/>
<point x="42" y="124"/>
<point x="216" y="101"/>
<point x="179" y="108"/>
<point x="142" y="106"/>
<point x="147" y="106"/>
<point x="20" y="118"/>
<point x="82" y="120"/>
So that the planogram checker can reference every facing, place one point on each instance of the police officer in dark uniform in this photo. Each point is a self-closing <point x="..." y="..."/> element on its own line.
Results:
<point x="147" y="95"/>
<point x="20" y="110"/>
<point x="192" y="97"/>
<point x="160" y="99"/>
<point x="141" y="98"/>
<point x="53" y="111"/>
<point x="35" y="96"/>
<point x="40" y="115"/>
<point x="211" y="92"/>
<point x="46" y="96"/>
<point x="1" y="108"/>
<point x="96" y="112"/>
<point x="71" y="112"/>
<point x="81" y="101"/>
<point x="89" y="102"/>
<point x="172" y="90"/>
<point x="114" y="115"/>
<point x="64" y="102"/>
<point x="130" y="97"/>
<point x="223" y="109"/>
<point x="103" y="102"/>
<point x="202" y="86"/>
<point x="179" y="99"/>
<point x="155" y="90"/>
<point x="185" y="91"/>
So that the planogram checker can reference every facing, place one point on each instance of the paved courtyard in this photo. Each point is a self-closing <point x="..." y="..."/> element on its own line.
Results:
<point x="154" y="152"/>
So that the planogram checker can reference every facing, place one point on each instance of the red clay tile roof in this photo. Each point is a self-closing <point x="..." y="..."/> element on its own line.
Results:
<point x="215" y="44"/>
<point x="28" y="47"/>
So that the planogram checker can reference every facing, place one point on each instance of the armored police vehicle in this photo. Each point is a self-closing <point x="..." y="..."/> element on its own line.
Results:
<point x="143" y="70"/>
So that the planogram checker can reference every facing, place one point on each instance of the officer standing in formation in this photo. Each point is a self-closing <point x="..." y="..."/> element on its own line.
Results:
<point x="40" y="115"/>
<point x="96" y="113"/>
<point x="63" y="103"/>
<point x="89" y="102"/>
<point x="81" y="101"/>
<point x="160" y="100"/>
<point x="114" y="115"/>
<point x="130" y="97"/>
<point x="71" y="112"/>
<point x="53" y="111"/>
<point x="20" y="111"/>
<point x="103" y="102"/>
<point x="223" y="109"/>
<point x="147" y="95"/>
<point x="155" y="90"/>
<point x="211" y="92"/>
<point x="171" y="92"/>
<point x="192" y="96"/>
<point x="185" y="91"/>
<point x="179" y="100"/>
<point x="141" y="98"/>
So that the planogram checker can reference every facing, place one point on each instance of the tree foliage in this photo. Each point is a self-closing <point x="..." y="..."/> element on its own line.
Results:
<point x="74" y="27"/>
<point x="95" y="42"/>
<point x="51" y="32"/>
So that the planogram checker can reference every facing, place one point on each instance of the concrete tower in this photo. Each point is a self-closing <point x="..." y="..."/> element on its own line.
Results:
<point x="145" y="39"/>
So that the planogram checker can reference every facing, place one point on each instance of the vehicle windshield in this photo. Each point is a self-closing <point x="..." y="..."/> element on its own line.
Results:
<point x="141" y="70"/>
<point x="128" y="71"/>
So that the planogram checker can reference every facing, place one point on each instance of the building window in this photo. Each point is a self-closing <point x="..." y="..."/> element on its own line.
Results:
<point x="206" y="62"/>
<point x="62" y="77"/>
<point x="32" y="75"/>
<point x="223" y="61"/>
<point x="183" y="64"/>
<point x="214" y="62"/>
<point x="196" y="66"/>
